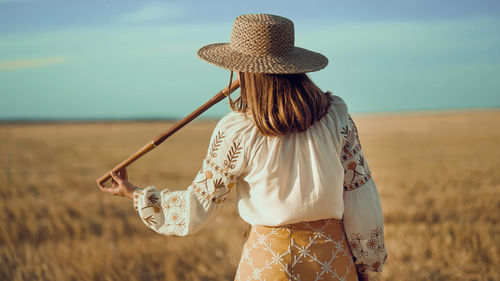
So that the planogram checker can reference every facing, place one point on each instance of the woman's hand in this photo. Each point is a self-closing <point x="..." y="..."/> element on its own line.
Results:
<point x="362" y="276"/>
<point x="119" y="185"/>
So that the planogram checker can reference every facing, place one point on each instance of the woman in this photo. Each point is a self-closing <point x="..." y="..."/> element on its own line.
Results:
<point x="293" y="156"/>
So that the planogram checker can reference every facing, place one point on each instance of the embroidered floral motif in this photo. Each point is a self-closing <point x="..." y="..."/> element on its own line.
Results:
<point x="346" y="154"/>
<point x="149" y="220"/>
<point x="357" y="246"/>
<point x="345" y="131"/>
<point x="176" y="218"/>
<point x="137" y="194"/>
<point x="358" y="183"/>
<point x="376" y="266"/>
<point x="208" y="196"/>
<point x="153" y="199"/>
<point x="377" y="240"/>
<point x="212" y="188"/>
<point x="216" y="144"/>
<point x="213" y="181"/>
<point x="372" y="244"/>
<point x="172" y="200"/>
<point x="372" y="247"/>
<point x="218" y="169"/>
<point x="361" y="161"/>
<point x="356" y="170"/>
<point x="232" y="156"/>
<point x="352" y="165"/>
<point x="155" y="208"/>
<point x="354" y="244"/>
<point x="218" y="184"/>
<point x="356" y="173"/>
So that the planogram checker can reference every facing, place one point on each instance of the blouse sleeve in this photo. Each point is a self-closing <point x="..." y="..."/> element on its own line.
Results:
<point x="363" y="221"/>
<point x="184" y="212"/>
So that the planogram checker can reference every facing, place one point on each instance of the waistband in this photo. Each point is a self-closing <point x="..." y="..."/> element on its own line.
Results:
<point x="330" y="224"/>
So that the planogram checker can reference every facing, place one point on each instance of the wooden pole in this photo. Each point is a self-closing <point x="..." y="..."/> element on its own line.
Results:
<point x="163" y="136"/>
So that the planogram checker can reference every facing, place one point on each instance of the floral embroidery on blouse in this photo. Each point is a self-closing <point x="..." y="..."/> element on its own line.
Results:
<point x="169" y="212"/>
<point x="218" y="181"/>
<point x="364" y="230"/>
<point x="356" y="170"/>
<point x="361" y="245"/>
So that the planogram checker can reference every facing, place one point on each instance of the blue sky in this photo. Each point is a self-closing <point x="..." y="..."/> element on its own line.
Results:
<point x="137" y="59"/>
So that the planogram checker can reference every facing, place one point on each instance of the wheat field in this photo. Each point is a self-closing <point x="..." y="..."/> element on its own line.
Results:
<point x="438" y="175"/>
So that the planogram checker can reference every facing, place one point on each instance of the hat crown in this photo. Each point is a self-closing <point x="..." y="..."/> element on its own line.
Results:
<point x="262" y="35"/>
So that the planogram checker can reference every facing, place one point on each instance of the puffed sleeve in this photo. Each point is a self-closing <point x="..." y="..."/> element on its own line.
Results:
<point x="184" y="212"/>
<point x="363" y="221"/>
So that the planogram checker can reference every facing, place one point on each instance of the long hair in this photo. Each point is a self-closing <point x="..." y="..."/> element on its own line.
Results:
<point x="281" y="103"/>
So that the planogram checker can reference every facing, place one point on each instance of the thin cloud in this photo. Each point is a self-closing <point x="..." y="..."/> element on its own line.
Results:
<point x="30" y="63"/>
<point x="153" y="13"/>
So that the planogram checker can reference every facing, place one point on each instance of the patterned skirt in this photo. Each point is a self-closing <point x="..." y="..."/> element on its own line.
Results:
<point x="315" y="250"/>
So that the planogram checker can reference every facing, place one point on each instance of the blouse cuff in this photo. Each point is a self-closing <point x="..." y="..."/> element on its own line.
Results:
<point x="364" y="227"/>
<point x="136" y="195"/>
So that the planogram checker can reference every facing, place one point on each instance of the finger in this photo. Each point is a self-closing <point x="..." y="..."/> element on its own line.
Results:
<point x="120" y="174"/>
<point x="116" y="177"/>
<point x="103" y="188"/>
<point x="100" y="185"/>
<point x="125" y="174"/>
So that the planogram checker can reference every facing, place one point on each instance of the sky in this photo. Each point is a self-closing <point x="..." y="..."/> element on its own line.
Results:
<point x="99" y="59"/>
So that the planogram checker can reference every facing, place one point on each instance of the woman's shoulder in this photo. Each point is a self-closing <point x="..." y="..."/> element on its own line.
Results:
<point x="236" y="123"/>
<point x="235" y="118"/>
<point x="338" y="101"/>
<point x="338" y="108"/>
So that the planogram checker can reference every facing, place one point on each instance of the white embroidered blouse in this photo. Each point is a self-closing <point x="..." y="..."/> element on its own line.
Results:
<point x="316" y="174"/>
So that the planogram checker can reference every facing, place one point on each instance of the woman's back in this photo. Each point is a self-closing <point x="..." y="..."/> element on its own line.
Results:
<point x="294" y="177"/>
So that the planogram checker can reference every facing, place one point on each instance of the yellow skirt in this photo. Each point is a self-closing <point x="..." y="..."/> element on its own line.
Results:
<point x="315" y="250"/>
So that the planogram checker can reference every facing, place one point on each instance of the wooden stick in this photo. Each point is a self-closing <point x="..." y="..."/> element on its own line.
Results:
<point x="163" y="136"/>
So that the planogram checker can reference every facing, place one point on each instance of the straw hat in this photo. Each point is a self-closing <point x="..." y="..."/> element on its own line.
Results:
<point x="263" y="43"/>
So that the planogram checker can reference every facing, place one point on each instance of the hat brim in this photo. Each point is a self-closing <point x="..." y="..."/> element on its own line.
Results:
<point x="298" y="61"/>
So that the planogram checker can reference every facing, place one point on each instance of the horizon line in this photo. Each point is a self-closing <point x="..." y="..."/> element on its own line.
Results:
<point x="26" y="120"/>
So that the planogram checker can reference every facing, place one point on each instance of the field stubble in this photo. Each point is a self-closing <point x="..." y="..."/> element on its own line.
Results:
<point x="437" y="175"/>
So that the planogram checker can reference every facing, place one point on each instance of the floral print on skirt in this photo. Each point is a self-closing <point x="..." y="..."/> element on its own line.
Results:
<point x="315" y="250"/>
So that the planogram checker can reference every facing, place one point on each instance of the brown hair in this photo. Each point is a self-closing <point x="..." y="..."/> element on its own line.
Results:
<point x="281" y="103"/>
